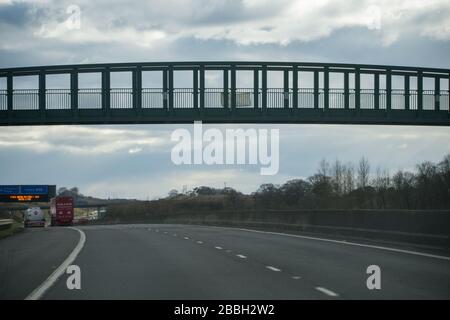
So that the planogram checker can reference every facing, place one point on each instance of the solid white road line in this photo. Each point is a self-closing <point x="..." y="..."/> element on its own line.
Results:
<point x="273" y="268"/>
<point x="241" y="256"/>
<point x="296" y="277"/>
<point x="348" y="243"/>
<point x="51" y="280"/>
<point x="327" y="292"/>
<point x="218" y="248"/>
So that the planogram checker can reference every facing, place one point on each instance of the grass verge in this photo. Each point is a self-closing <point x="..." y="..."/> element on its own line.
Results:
<point x="15" y="228"/>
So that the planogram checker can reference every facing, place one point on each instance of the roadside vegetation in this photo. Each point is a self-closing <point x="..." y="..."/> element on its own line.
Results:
<point x="335" y="186"/>
<point x="16" y="227"/>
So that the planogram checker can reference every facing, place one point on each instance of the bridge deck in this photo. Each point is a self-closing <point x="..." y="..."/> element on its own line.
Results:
<point x="364" y="94"/>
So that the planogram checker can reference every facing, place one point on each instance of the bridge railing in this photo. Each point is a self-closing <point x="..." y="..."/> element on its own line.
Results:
<point x="26" y="99"/>
<point x="152" y="98"/>
<point x="3" y="100"/>
<point x="375" y="93"/>
<point x="89" y="98"/>
<point x="57" y="99"/>
<point x="214" y="98"/>
<point x="122" y="98"/>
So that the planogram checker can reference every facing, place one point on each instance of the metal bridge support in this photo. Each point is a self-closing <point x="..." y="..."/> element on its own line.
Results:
<point x="346" y="90"/>
<point x="170" y="88"/>
<point x="165" y="89"/>
<point x="202" y="88"/>
<point x="420" y="91"/>
<point x="357" y="89"/>
<point x="226" y="89"/>
<point x="256" y="88"/>
<point x="437" y="93"/>
<point x="106" y="90"/>
<point x="264" y="88"/>
<point x="295" y="87"/>
<point x="42" y="93"/>
<point x="137" y="89"/>
<point x="388" y="90"/>
<point x="195" y="87"/>
<point x="326" y="88"/>
<point x="74" y="90"/>
<point x="316" y="89"/>
<point x="286" y="88"/>
<point x="9" y="92"/>
<point x="376" y="92"/>
<point x="407" y="93"/>
<point x="448" y="93"/>
<point x="233" y="87"/>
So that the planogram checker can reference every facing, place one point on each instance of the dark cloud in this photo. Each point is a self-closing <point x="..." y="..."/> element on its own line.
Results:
<point x="15" y="13"/>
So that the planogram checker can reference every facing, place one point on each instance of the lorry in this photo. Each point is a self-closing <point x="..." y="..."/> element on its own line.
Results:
<point x="61" y="211"/>
<point x="33" y="217"/>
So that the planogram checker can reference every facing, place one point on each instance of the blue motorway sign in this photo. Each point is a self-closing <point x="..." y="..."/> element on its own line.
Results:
<point x="27" y="193"/>
<point x="9" y="189"/>
<point x="34" y="189"/>
<point x="25" y="189"/>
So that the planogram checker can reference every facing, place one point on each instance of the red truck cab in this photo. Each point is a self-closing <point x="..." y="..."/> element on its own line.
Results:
<point x="61" y="211"/>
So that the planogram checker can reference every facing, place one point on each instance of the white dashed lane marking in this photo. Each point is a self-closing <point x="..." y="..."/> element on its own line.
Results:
<point x="327" y="292"/>
<point x="273" y="268"/>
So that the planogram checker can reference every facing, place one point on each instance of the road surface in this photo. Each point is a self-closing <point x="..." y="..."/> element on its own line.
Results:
<point x="193" y="262"/>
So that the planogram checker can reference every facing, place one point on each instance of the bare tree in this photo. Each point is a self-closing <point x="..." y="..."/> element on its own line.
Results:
<point x="363" y="173"/>
<point x="381" y="183"/>
<point x="404" y="184"/>
<point x="444" y="172"/>
<point x="349" y="178"/>
<point x="338" y="177"/>
<point x="324" y="169"/>
<point x="426" y="183"/>
<point x="382" y="179"/>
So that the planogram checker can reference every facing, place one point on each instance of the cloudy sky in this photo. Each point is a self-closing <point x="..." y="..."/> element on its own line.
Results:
<point x="134" y="161"/>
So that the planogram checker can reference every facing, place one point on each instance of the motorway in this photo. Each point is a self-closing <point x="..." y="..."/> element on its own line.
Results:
<point x="193" y="262"/>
